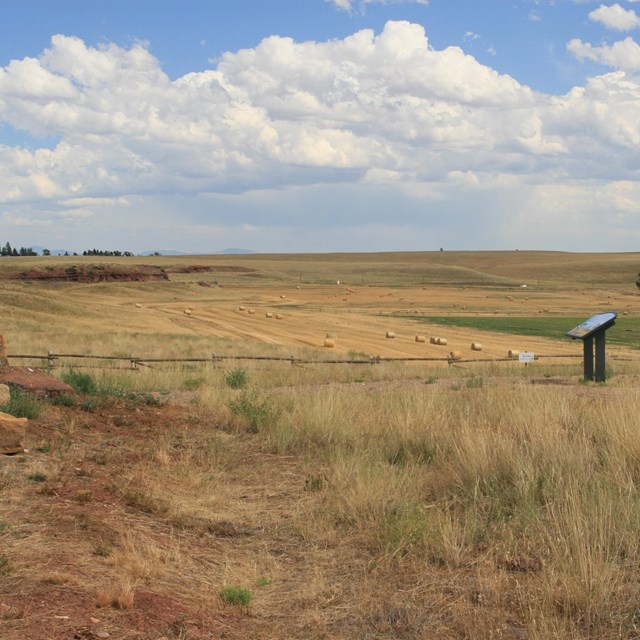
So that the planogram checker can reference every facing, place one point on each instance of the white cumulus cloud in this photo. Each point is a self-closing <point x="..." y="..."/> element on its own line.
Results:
<point x="624" y="54"/>
<point x="616" y="17"/>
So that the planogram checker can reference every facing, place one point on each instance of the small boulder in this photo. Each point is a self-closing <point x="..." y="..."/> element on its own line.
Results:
<point x="12" y="431"/>
<point x="34" y="381"/>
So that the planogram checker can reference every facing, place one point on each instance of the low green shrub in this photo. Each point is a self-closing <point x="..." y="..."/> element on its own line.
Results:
<point x="475" y="382"/>
<point x="253" y="410"/>
<point x="63" y="400"/>
<point x="192" y="384"/>
<point x="21" y="404"/>
<point x="80" y="382"/>
<point x="236" y="378"/>
<point x="238" y="596"/>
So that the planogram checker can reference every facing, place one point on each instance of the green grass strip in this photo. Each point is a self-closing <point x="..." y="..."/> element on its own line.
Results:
<point x="625" y="332"/>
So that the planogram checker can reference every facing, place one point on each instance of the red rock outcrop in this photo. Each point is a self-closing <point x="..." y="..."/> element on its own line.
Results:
<point x="34" y="381"/>
<point x="87" y="273"/>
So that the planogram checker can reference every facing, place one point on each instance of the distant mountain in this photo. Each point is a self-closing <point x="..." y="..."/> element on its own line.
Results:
<point x="235" y="250"/>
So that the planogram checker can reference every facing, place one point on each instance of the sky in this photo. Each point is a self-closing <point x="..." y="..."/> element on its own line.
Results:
<point x="320" y="125"/>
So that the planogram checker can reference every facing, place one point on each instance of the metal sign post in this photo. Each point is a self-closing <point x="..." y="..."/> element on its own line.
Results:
<point x="590" y="331"/>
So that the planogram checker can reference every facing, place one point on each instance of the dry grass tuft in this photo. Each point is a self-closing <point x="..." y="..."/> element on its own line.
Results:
<point x="119" y="595"/>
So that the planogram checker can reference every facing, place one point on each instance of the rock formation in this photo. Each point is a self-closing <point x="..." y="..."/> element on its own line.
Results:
<point x="11" y="433"/>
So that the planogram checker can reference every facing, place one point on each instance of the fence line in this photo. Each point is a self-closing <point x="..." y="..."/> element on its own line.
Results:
<point x="135" y="362"/>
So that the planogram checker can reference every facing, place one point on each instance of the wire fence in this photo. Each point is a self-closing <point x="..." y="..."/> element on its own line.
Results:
<point x="78" y="360"/>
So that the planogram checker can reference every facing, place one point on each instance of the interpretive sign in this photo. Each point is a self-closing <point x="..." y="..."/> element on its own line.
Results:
<point x="601" y="321"/>
<point x="589" y="331"/>
<point x="527" y="357"/>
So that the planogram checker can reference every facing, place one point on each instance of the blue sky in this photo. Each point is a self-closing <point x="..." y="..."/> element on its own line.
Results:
<point x="320" y="125"/>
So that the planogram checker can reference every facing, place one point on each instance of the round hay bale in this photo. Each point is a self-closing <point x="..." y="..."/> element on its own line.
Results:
<point x="138" y="305"/>
<point x="268" y="314"/>
<point x="442" y="341"/>
<point x="513" y="353"/>
<point x="282" y="297"/>
<point x="625" y="313"/>
<point x="242" y="308"/>
<point x="279" y="316"/>
<point x="251" y="311"/>
<point x="421" y="339"/>
<point x="455" y="355"/>
<point x="390" y="334"/>
<point x="476" y="346"/>
<point x="331" y="335"/>
<point x="187" y="312"/>
<point x="433" y="340"/>
<point x="329" y="343"/>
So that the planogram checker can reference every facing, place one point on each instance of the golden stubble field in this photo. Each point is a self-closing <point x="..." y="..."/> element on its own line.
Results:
<point x="359" y="318"/>
<point x="295" y="301"/>
<point x="242" y="499"/>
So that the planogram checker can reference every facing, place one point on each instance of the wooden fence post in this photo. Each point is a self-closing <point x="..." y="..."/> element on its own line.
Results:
<point x="4" y="362"/>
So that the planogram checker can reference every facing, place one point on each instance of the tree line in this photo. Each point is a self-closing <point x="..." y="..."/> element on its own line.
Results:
<point x="99" y="252"/>
<point x="8" y="250"/>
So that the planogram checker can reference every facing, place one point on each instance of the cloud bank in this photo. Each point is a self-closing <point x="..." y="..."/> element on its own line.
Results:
<point x="376" y="138"/>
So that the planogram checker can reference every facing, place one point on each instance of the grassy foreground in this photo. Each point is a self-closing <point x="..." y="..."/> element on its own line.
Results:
<point x="450" y="506"/>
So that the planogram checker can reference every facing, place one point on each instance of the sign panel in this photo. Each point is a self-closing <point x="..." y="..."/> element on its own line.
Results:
<point x="593" y="324"/>
<point x="526" y="357"/>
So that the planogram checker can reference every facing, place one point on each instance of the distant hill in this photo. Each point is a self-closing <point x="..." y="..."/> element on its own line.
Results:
<point x="164" y="252"/>
<point x="173" y="252"/>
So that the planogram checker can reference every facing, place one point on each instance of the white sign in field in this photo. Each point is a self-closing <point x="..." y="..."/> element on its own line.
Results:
<point x="526" y="357"/>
